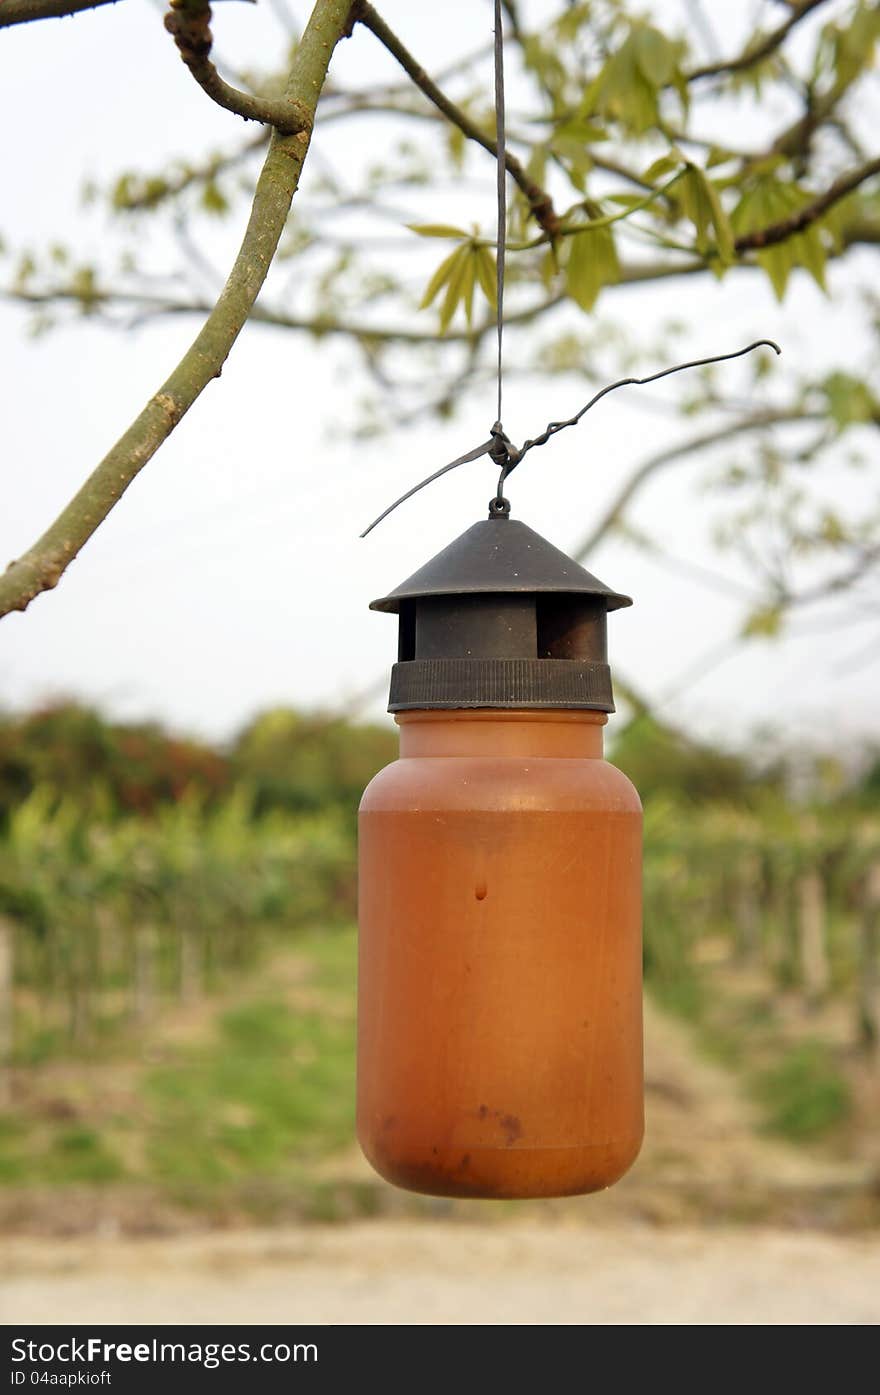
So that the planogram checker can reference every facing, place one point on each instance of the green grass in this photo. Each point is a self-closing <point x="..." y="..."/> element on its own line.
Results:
<point x="803" y="1095"/>
<point x="257" y="1102"/>
<point x="683" y="995"/>
<point x="246" y="1112"/>
<point x="272" y="1091"/>
<point x="69" y="1154"/>
<point x="78" y="1154"/>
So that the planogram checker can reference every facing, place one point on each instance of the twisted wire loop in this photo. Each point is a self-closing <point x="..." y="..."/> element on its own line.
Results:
<point x="555" y="426"/>
<point x="499" y="447"/>
<point x="504" y="453"/>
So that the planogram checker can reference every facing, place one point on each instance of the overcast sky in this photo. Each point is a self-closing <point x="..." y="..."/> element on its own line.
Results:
<point x="231" y="576"/>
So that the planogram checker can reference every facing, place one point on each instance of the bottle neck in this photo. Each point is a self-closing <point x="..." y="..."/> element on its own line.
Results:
<point x="487" y="732"/>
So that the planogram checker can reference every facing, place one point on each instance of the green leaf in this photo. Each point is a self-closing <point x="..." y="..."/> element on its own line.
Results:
<point x="591" y="264"/>
<point x="655" y="55"/>
<point x="536" y="168"/>
<point x="620" y="91"/>
<point x="810" y="251"/>
<point x="575" y="18"/>
<point x="766" y="622"/>
<point x="850" y="400"/>
<point x="549" y="266"/>
<point x="469" y="266"/>
<point x="468" y="283"/>
<point x="487" y="274"/>
<point x="456" y="144"/>
<point x="718" y="156"/>
<point x="213" y="198"/>
<point x="24" y="271"/>
<point x="83" y="284"/>
<point x="666" y="165"/>
<point x="576" y="159"/>
<point x="720" y="223"/>
<point x="437" y="230"/>
<point x="580" y="130"/>
<point x="832" y="529"/>
<point x="778" y="262"/>
<point x="440" y="277"/>
<point x="771" y="200"/>
<point x="855" y="40"/>
<point x="701" y="203"/>
<point x="455" y="286"/>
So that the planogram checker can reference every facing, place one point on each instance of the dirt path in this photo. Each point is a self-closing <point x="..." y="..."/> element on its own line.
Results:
<point x="430" y="1272"/>
<point x="636" y="1254"/>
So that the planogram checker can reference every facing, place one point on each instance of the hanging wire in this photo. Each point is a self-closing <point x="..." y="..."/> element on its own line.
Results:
<point x="444" y="469"/>
<point x="501" y="187"/>
<point x="514" y="455"/>
<point x="499" y="447"/>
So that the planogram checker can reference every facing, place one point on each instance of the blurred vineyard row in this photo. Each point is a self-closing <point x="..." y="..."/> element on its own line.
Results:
<point x="136" y="870"/>
<point x="790" y="896"/>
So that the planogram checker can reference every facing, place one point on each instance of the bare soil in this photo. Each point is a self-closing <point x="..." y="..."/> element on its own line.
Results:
<point x="715" y="1225"/>
<point x="442" y="1272"/>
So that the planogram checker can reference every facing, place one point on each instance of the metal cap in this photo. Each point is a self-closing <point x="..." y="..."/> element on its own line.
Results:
<point x="501" y="619"/>
<point x="503" y="556"/>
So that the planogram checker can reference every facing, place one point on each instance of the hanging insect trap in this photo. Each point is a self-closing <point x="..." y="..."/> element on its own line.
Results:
<point x="500" y="993"/>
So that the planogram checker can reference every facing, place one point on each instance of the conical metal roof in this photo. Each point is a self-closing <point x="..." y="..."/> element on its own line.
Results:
<point x="503" y="556"/>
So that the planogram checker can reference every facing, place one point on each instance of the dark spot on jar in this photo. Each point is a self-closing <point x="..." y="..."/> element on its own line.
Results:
<point x="483" y="1111"/>
<point x="511" y="1126"/>
<point x="389" y="1121"/>
<point x="481" y="891"/>
<point x="466" y="1161"/>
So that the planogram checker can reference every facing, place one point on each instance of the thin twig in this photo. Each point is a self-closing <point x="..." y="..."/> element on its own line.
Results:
<point x="858" y="231"/>
<point x="189" y="21"/>
<point x="539" y="201"/>
<point x="789" y="227"/>
<point x="321" y="326"/>
<point x="671" y="455"/>
<point x="756" y="53"/>
<point x="151" y="192"/>
<point x="26" y="11"/>
<point x="41" y="567"/>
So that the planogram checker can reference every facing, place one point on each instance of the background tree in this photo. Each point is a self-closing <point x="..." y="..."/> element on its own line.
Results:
<point x="625" y="175"/>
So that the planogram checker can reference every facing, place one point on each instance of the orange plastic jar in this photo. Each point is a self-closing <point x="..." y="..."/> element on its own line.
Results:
<point x="500" y="1031"/>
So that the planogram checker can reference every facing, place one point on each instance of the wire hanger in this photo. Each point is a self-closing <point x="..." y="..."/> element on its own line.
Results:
<point x="499" y="447"/>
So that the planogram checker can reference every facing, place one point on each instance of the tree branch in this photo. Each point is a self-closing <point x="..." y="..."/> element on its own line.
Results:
<point x="858" y="231"/>
<point x="757" y="52"/>
<point x="41" y="567"/>
<point x="867" y="559"/>
<point x="143" y="192"/>
<point x="25" y="11"/>
<point x="320" y="326"/>
<point x="189" y="21"/>
<point x="670" y="456"/>
<point x="323" y="325"/>
<point x="539" y="201"/>
<point x="789" y="227"/>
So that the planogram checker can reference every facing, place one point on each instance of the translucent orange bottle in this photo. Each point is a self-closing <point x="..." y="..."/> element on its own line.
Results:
<point x="499" y="1029"/>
